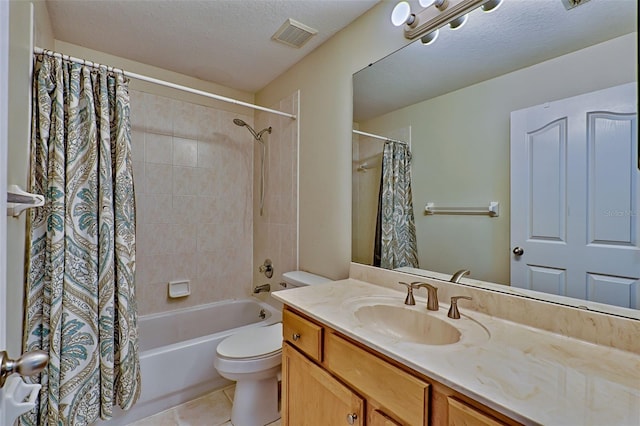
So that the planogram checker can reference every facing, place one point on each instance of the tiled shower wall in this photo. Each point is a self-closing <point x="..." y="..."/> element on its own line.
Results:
<point x="276" y="231"/>
<point x="193" y="171"/>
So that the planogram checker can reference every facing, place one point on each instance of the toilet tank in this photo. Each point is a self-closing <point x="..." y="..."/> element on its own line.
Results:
<point x="301" y="279"/>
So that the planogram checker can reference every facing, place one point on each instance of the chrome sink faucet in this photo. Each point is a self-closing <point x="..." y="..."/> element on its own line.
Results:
<point x="455" y="278"/>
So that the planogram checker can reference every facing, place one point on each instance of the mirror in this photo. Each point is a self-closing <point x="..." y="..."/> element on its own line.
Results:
<point x="452" y="100"/>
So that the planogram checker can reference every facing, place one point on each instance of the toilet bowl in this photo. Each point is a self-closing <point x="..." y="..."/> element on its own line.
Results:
<point x="252" y="358"/>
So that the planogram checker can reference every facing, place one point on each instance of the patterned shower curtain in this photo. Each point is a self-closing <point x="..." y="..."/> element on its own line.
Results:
<point x="395" y="241"/>
<point x="80" y="296"/>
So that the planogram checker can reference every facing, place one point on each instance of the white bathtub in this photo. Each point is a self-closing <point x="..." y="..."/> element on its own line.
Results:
<point x="178" y="348"/>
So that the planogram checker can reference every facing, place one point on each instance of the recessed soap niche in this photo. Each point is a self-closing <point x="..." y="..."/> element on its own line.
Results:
<point x="178" y="289"/>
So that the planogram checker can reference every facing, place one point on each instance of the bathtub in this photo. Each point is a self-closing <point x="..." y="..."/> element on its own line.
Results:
<point x="178" y="348"/>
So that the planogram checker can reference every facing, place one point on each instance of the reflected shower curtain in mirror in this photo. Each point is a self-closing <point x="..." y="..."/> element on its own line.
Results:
<point x="395" y="241"/>
<point x="80" y="304"/>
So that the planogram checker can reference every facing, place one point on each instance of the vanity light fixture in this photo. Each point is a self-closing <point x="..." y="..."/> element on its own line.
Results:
<point x="436" y="14"/>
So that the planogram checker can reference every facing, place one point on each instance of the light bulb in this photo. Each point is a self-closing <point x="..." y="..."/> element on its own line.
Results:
<point x="401" y="13"/>
<point x="491" y="5"/>
<point x="430" y="38"/>
<point x="427" y="3"/>
<point x="458" y="22"/>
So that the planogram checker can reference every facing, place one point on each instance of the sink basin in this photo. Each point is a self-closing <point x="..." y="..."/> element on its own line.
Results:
<point x="408" y="325"/>
<point x="390" y="318"/>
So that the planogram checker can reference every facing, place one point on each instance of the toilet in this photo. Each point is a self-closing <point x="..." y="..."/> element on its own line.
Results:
<point x="252" y="358"/>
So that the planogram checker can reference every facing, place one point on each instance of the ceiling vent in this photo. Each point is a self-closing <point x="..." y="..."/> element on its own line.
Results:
<point x="293" y="33"/>
<point x="570" y="4"/>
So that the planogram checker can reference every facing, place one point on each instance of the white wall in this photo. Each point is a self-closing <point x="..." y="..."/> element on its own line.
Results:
<point x="461" y="152"/>
<point x="324" y="80"/>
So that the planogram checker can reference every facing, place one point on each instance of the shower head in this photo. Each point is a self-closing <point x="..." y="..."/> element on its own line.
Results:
<point x="268" y="130"/>
<point x="258" y="135"/>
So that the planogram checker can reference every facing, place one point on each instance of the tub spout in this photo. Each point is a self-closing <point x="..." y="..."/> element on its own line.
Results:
<point x="260" y="288"/>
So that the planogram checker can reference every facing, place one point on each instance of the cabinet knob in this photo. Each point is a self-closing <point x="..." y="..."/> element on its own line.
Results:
<point x="351" y="418"/>
<point x="295" y="337"/>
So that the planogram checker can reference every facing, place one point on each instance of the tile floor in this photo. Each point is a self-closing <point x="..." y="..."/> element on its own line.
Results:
<point x="213" y="409"/>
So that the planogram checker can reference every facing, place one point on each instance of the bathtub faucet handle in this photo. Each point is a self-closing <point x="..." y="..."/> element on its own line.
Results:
<point x="266" y="268"/>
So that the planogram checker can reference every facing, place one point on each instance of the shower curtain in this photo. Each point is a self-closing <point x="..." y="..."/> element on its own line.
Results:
<point x="395" y="240"/>
<point x="80" y="304"/>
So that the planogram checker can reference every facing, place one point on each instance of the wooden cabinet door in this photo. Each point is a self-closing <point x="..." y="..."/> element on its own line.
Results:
<point x="378" y="418"/>
<point x="312" y="397"/>
<point x="461" y="414"/>
<point x="400" y="394"/>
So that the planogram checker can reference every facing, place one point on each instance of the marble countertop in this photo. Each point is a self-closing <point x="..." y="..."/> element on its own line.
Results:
<point x="530" y="375"/>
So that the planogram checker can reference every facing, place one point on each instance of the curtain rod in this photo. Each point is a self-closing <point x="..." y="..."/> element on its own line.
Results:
<point x="371" y="135"/>
<point x="130" y="74"/>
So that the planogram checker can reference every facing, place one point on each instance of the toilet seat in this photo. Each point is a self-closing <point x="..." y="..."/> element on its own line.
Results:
<point x="254" y="343"/>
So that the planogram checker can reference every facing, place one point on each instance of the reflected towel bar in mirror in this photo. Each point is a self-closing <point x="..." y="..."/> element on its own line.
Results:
<point x="492" y="210"/>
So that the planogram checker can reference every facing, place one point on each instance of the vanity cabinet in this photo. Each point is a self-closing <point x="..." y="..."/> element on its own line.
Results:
<point x="330" y="379"/>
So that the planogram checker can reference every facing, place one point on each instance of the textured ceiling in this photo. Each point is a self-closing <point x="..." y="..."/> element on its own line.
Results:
<point x="224" y="41"/>
<point x="519" y="34"/>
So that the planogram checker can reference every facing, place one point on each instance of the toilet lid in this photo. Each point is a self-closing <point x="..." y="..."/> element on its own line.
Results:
<point x="251" y="343"/>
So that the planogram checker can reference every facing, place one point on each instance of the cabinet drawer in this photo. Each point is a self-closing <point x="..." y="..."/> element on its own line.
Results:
<point x="303" y="334"/>
<point x="400" y="394"/>
<point x="461" y="414"/>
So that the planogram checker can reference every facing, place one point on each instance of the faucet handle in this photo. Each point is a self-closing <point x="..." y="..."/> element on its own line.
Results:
<point x="453" y="309"/>
<point x="409" y="300"/>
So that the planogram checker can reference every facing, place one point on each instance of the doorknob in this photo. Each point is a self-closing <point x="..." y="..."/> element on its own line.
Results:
<point x="28" y="364"/>
<point x="518" y="251"/>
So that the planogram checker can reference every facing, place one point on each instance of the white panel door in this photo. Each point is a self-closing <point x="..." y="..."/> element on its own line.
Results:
<point x="575" y="193"/>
